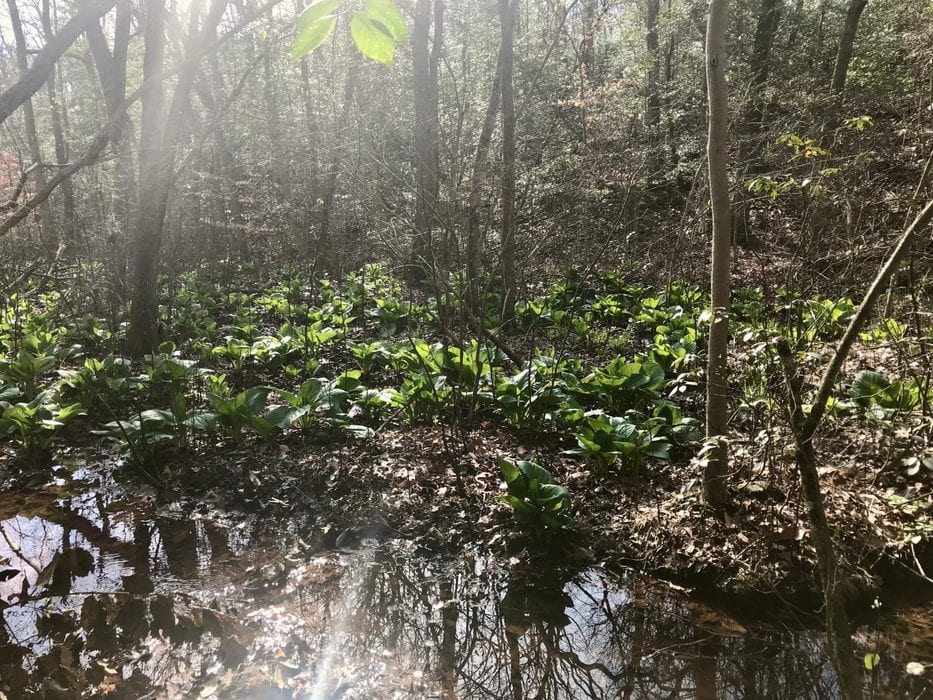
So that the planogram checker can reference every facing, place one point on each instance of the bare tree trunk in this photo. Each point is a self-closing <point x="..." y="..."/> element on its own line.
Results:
<point x="847" y="44"/>
<point x="143" y="333"/>
<point x="715" y="472"/>
<point x="474" y="235"/>
<point x="653" y="96"/>
<point x="323" y="253"/>
<point x="507" y="12"/>
<point x="588" y="43"/>
<point x="769" y="17"/>
<point x="111" y="70"/>
<point x="44" y="217"/>
<point x="427" y="184"/>
<point x="58" y="117"/>
<point x="157" y="153"/>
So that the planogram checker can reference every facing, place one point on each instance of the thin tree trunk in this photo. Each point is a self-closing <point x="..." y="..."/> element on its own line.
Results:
<point x="424" y="64"/>
<point x="58" y="118"/>
<point x="323" y="253"/>
<point x="44" y="217"/>
<point x="847" y="44"/>
<point x="653" y="97"/>
<point x="507" y="11"/>
<point x="769" y="16"/>
<point x="157" y="153"/>
<point x="474" y="235"/>
<point x="588" y="43"/>
<point x="715" y="472"/>
<point x="111" y="71"/>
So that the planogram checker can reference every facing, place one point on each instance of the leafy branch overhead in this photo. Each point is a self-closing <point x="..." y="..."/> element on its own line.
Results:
<point x="377" y="28"/>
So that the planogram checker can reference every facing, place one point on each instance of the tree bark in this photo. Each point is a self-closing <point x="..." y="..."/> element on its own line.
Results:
<point x="59" y="118"/>
<point x="847" y="44"/>
<point x="111" y="71"/>
<point x="43" y="62"/>
<point x="769" y="17"/>
<point x="653" y="87"/>
<point x="427" y="183"/>
<point x="588" y="43"/>
<point x="44" y="217"/>
<point x="507" y="11"/>
<point x="475" y="242"/>
<point x="715" y="487"/>
<point x="157" y="153"/>
<point x="324" y="251"/>
<point x="143" y="334"/>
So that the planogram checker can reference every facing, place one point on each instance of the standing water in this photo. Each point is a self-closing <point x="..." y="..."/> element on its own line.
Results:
<point x="104" y="594"/>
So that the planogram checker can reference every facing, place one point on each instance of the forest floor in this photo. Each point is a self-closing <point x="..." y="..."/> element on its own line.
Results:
<point x="441" y="491"/>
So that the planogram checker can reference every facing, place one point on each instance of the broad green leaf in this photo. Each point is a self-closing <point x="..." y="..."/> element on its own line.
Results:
<point x="509" y="471"/>
<point x="253" y="400"/>
<point x="553" y="494"/>
<point x="372" y="41"/>
<point x="872" y="660"/>
<point x="313" y="36"/>
<point x="201" y="420"/>
<point x="385" y="13"/>
<point x="315" y="12"/>
<point x="535" y="472"/>
<point x="284" y="416"/>
<point x="360" y="431"/>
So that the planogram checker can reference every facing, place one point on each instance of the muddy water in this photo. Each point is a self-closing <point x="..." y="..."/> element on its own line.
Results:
<point x="106" y="595"/>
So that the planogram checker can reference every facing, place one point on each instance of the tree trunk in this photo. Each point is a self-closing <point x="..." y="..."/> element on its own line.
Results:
<point x="323" y="253"/>
<point x="143" y="334"/>
<point x="653" y="87"/>
<point x="475" y="242"/>
<point x="44" y="218"/>
<point x="111" y="71"/>
<point x="847" y="44"/>
<point x="58" y="118"/>
<point x="751" y="126"/>
<point x="768" y="19"/>
<point x="715" y="487"/>
<point x="507" y="12"/>
<point x="588" y="43"/>
<point x="427" y="183"/>
<point x="804" y="428"/>
<point x="157" y="153"/>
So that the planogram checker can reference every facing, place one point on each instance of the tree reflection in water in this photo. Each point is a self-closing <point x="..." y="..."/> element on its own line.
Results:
<point x="567" y="634"/>
<point x="101" y="595"/>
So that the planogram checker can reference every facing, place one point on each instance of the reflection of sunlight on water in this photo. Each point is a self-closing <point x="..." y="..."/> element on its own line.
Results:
<point x="340" y="625"/>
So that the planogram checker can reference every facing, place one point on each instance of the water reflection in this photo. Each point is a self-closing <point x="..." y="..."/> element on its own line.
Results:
<point x="472" y="629"/>
<point x="102" y="595"/>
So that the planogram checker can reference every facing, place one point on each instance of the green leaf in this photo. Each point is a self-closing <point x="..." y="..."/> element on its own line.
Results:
<point x="372" y="39"/>
<point x="385" y="13"/>
<point x="253" y="400"/>
<point x="313" y="36"/>
<point x="535" y="472"/>
<point x="315" y="12"/>
<point x="509" y="471"/>
<point x="872" y="660"/>
<point x="284" y="416"/>
<point x="201" y="420"/>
